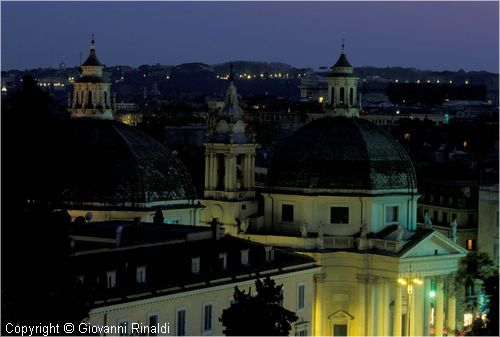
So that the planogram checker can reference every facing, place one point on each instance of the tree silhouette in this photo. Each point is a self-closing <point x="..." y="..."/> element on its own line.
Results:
<point x="259" y="315"/>
<point x="478" y="270"/>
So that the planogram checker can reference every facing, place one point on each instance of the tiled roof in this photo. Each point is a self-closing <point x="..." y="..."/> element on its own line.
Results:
<point x="113" y="164"/>
<point x="342" y="153"/>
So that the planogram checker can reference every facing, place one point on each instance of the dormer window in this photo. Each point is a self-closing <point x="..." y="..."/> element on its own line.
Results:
<point x="223" y="260"/>
<point x="141" y="274"/>
<point x="111" y="279"/>
<point x="269" y="253"/>
<point x="244" y="257"/>
<point x="195" y="265"/>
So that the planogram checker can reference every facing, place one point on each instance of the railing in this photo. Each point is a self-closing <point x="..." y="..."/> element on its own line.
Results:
<point x="338" y="242"/>
<point x="388" y="245"/>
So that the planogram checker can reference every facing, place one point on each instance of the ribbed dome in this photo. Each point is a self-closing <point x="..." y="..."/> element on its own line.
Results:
<point x="341" y="155"/>
<point x="111" y="163"/>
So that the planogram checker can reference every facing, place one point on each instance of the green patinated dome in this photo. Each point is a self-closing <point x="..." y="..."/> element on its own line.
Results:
<point x="341" y="155"/>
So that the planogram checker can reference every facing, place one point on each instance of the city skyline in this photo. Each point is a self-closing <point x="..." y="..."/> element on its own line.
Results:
<point x="428" y="36"/>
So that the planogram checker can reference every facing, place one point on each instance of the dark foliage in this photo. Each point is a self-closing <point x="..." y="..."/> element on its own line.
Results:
<point x="259" y="315"/>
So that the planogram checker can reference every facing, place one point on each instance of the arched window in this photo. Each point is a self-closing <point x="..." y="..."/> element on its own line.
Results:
<point x="342" y="95"/>
<point x="351" y="96"/>
<point x="89" y="101"/>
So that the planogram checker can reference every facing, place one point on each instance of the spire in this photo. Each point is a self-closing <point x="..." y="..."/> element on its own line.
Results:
<point x="343" y="44"/>
<point x="92" y="59"/>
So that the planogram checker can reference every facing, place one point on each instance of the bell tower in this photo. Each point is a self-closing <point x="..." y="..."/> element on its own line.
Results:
<point x="342" y="88"/>
<point x="91" y="93"/>
<point x="230" y="150"/>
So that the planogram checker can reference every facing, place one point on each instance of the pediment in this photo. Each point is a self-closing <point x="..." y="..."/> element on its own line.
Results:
<point x="341" y="314"/>
<point x="434" y="244"/>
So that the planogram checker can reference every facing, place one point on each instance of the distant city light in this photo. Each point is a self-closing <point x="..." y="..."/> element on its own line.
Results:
<point x="466" y="82"/>
<point x="437" y="81"/>
<point x="428" y="81"/>
<point x="418" y="81"/>
<point x="4" y="89"/>
<point x="451" y="82"/>
<point x="249" y="76"/>
<point x="397" y="81"/>
<point x="397" y="112"/>
<point x="320" y="99"/>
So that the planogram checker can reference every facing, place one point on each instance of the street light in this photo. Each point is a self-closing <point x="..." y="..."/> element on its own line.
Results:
<point x="409" y="280"/>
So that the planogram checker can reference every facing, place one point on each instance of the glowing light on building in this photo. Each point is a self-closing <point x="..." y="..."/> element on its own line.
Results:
<point x="320" y="99"/>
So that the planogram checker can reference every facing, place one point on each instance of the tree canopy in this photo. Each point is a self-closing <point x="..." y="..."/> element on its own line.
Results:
<point x="477" y="269"/>
<point x="259" y="315"/>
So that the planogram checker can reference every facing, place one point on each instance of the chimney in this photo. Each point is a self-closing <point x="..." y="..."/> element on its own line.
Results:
<point x="215" y="229"/>
<point x="118" y="237"/>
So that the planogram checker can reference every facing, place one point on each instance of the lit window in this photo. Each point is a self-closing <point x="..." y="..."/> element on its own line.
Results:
<point x="468" y="318"/>
<point x="470" y="244"/>
<point x="269" y="253"/>
<point x="180" y="324"/>
<point x="207" y="318"/>
<point x="141" y="274"/>
<point x="391" y="214"/>
<point x="244" y="257"/>
<point x="223" y="260"/>
<point x="111" y="279"/>
<point x="301" y="294"/>
<point x="195" y="265"/>
<point x="287" y="213"/>
<point x="339" y="215"/>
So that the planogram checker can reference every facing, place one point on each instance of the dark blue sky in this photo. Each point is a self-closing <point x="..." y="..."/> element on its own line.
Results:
<point x="429" y="35"/>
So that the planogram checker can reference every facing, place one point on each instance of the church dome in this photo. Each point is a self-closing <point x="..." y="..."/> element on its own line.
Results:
<point x="341" y="156"/>
<point x="112" y="165"/>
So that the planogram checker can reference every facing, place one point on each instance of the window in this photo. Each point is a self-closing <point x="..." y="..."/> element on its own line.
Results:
<point x="471" y="244"/>
<point x="180" y="323"/>
<point x="351" y="96"/>
<point x="287" y="213"/>
<point x="269" y="253"/>
<point x="301" y="293"/>
<point x="153" y="321"/>
<point x="445" y="218"/>
<point x="123" y="327"/>
<point x="339" y="215"/>
<point x="223" y="260"/>
<point x="207" y="318"/>
<point x="342" y="95"/>
<point x="470" y="219"/>
<point x="141" y="274"/>
<point x="195" y="265"/>
<point x="340" y="329"/>
<point x="111" y="279"/>
<point x="244" y="257"/>
<point x="391" y="214"/>
<point x="301" y="331"/>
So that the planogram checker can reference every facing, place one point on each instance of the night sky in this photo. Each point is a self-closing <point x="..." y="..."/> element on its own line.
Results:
<point x="429" y="35"/>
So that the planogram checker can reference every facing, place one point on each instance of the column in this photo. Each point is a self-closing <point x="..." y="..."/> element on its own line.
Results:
<point x="252" y="171"/>
<point x="226" y="172"/>
<point x="232" y="172"/>
<point x="213" y="171"/>
<point x="246" y="175"/>
<point x="418" y="310"/>
<point x="452" y="309"/>
<point x="381" y="303"/>
<point x="439" y="307"/>
<point x="319" y="315"/>
<point x="387" y="311"/>
<point x="208" y="157"/>
<point x="361" y="324"/>
<point x="398" y="311"/>
<point x="427" y="306"/>
<point x="371" y="317"/>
